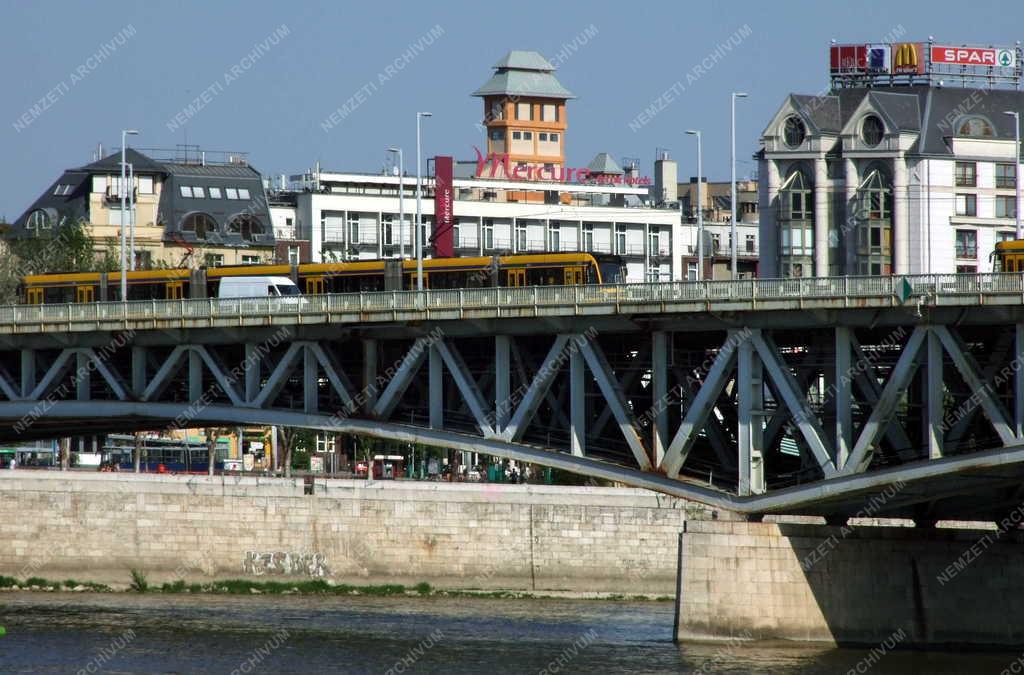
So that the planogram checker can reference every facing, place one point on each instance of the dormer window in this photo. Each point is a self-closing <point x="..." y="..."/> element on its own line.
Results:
<point x="39" y="220"/>
<point x="974" y="127"/>
<point x="872" y="130"/>
<point x="794" y="132"/>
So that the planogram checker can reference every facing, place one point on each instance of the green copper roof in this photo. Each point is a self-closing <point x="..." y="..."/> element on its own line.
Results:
<point x="523" y="73"/>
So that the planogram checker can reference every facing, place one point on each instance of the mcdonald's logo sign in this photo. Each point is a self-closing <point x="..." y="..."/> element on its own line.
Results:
<point x="908" y="58"/>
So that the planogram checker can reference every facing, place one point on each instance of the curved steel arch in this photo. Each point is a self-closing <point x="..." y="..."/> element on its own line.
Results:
<point x="920" y="482"/>
<point x="83" y="411"/>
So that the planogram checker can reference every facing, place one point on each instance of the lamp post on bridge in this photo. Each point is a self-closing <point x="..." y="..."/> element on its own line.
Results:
<point x="1016" y="167"/>
<point x="401" y="202"/>
<point x="419" y="209"/>
<point x="700" y="206"/>
<point x="732" y="231"/>
<point x="123" y="189"/>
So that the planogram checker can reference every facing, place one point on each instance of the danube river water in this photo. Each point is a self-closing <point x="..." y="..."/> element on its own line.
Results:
<point x="125" y="633"/>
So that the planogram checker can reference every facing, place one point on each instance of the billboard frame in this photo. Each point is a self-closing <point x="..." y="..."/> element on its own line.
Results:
<point x="913" y="63"/>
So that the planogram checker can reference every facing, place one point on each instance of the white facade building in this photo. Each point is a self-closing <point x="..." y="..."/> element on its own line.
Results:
<point x="888" y="180"/>
<point x="356" y="216"/>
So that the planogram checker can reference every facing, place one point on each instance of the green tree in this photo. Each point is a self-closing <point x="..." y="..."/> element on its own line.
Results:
<point x="212" y="435"/>
<point x="292" y="439"/>
<point x="67" y="248"/>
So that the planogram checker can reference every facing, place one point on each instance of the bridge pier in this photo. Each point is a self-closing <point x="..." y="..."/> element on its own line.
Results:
<point x="851" y="585"/>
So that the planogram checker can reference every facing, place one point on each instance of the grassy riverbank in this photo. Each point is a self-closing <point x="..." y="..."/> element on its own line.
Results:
<point x="139" y="584"/>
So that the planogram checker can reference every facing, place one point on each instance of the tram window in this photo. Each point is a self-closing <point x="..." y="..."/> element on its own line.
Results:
<point x="544" y="276"/>
<point x="56" y="295"/>
<point x="147" y="292"/>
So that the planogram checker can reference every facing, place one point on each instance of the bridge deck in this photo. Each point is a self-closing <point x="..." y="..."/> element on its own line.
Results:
<point x="764" y="396"/>
<point x="831" y="293"/>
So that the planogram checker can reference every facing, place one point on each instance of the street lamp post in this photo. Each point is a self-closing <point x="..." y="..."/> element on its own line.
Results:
<point x="1016" y="167"/>
<point x="131" y="215"/>
<point x="700" y="206"/>
<point x="401" y="202"/>
<point x="732" y="231"/>
<point x="124" y="194"/>
<point x="419" y="211"/>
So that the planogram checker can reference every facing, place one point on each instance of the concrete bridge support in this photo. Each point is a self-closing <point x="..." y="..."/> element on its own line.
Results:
<point x="851" y="585"/>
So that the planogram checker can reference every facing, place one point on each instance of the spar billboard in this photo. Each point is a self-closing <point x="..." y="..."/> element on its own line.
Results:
<point x="992" y="57"/>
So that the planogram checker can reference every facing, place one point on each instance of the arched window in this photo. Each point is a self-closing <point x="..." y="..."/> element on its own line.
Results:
<point x="796" y="225"/>
<point x="247" y="225"/>
<point x="974" y="127"/>
<point x="40" y="219"/>
<point x="199" y="223"/>
<point x="798" y="203"/>
<point x="873" y="220"/>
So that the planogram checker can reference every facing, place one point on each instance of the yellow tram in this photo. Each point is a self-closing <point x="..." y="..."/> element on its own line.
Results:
<point x="532" y="269"/>
<point x="1009" y="256"/>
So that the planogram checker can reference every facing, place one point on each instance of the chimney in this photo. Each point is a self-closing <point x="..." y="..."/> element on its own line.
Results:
<point x="666" y="188"/>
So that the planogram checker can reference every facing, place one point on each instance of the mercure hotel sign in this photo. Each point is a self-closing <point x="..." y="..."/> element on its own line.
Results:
<point x="499" y="165"/>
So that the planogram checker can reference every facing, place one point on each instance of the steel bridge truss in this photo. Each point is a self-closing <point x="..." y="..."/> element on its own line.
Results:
<point x="749" y="410"/>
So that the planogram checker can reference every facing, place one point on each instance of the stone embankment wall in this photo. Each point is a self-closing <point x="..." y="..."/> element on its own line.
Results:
<point x="98" y="526"/>
<point x="851" y="585"/>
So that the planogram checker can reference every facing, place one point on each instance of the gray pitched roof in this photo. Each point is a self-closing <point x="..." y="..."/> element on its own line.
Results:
<point x="521" y="73"/>
<point x="821" y="111"/>
<point x="901" y="109"/>
<point x="932" y="111"/>
<point x="172" y="207"/>
<point x="604" y="163"/>
<point x="524" y="60"/>
<point x="70" y="207"/>
<point x="112" y="163"/>
<point x="213" y="170"/>
<point x="944" y="107"/>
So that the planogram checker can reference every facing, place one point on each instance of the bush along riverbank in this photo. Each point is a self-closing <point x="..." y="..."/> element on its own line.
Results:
<point x="137" y="583"/>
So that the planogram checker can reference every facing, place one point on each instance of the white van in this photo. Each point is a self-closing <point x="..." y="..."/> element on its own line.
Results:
<point x="256" y="287"/>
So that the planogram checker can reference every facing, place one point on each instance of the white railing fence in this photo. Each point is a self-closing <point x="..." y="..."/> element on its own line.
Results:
<point x="903" y="288"/>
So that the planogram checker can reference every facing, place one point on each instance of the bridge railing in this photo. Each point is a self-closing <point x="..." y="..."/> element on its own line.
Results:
<point x="753" y="292"/>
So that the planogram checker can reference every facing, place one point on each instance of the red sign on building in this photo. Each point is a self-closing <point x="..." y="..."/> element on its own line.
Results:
<point x="444" y="209"/>
<point x="848" y="58"/>
<point x="964" y="56"/>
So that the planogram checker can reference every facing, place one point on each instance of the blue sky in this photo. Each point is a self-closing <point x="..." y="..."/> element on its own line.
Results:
<point x="275" y="106"/>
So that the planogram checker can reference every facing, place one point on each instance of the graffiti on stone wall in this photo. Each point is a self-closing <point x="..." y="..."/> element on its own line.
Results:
<point x="285" y="562"/>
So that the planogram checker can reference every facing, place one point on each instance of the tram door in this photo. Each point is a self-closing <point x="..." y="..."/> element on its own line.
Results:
<point x="35" y="296"/>
<point x="174" y="290"/>
<point x="314" y="285"/>
<point x="85" y="294"/>
<point x="516" y="278"/>
<point x="573" y="276"/>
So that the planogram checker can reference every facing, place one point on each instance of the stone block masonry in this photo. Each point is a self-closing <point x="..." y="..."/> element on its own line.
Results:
<point x="98" y="526"/>
<point x="850" y="585"/>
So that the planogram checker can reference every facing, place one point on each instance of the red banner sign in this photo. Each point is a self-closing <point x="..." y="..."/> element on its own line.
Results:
<point x="848" y="58"/>
<point x="964" y="56"/>
<point x="444" y="209"/>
